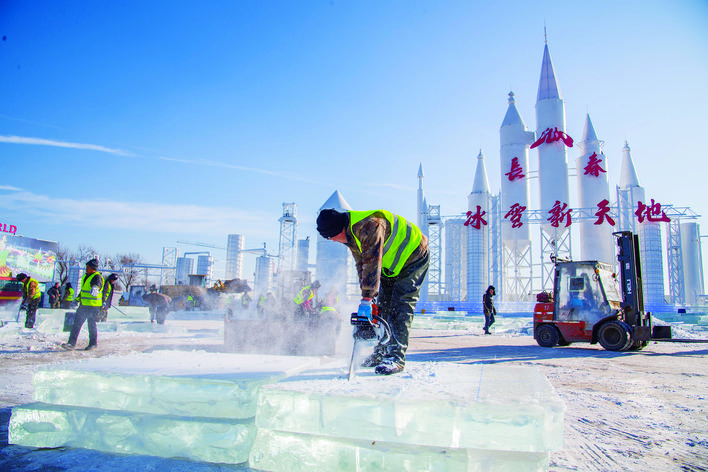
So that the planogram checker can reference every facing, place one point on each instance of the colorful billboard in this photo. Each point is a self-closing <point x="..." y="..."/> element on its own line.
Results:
<point x="34" y="257"/>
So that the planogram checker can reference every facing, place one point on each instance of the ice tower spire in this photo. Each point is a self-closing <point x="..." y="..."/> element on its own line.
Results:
<point x="478" y="230"/>
<point x="548" y="86"/>
<point x="596" y="241"/>
<point x="514" y="140"/>
<point x="481" y="182"/>
<point x="628" y="174"/>
<point x="552" y="143"/>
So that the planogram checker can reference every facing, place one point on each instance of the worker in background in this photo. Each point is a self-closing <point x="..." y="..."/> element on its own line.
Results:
<point x="489" y="311"/>
<point x="305" y="300"/>
<point x="261" y="305"/>
<point x="330" y="319"/>
<point x="392" y="257"/>
<point x="68" y="298"/>
<point x="90" y="300"/>
<point x="30" y="298"/>
<point x="108" y="290"/>
<point x="331" y="301"/>
<point x="159" y="305"/>
<point x="245" y="301"/>
<point x="54" y="295"/>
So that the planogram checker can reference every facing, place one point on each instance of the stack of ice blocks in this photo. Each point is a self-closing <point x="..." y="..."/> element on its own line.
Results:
<point x="193" y="405"/>
<point x="433" y="416"/>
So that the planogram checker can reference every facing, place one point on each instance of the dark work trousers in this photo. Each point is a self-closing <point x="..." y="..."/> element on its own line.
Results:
<point x="89" y="314"/>
<point x="31" y="313"/>
<point x="488" y="319"/>
<point x="396" y="301"/>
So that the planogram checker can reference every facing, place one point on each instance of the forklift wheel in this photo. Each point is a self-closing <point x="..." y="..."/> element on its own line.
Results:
<point x="614" y="336"/>
<point x="547" y="335"/>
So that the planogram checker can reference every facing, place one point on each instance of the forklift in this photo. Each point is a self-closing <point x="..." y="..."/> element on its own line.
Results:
<point x="590" y="304"/>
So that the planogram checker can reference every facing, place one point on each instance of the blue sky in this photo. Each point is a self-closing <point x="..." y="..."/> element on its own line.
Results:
<point x="128" y="126"/>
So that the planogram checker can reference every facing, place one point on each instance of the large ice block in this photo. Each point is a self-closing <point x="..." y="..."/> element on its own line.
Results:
<point x="203" y="439"/>
<point x="293" y="452"/>
<point x="439" y="405"/>
<point x="210" y="385"/>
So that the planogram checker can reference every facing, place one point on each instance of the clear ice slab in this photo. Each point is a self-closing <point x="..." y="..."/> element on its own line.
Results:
<point x="293" y="452"/>
<point x="195" y="405"/>
<point x="505" y="408"/>
<point x="210" y="385"/>
<point x="202" y="439"/>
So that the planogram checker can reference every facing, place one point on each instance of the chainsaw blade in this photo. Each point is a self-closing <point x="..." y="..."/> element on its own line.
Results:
<point x="355" y="358"/>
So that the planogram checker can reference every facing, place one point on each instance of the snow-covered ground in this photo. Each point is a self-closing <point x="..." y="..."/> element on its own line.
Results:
<point x="644" y="410"/>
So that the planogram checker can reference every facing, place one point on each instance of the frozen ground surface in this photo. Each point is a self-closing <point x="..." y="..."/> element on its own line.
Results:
<point x="644" y="410"/>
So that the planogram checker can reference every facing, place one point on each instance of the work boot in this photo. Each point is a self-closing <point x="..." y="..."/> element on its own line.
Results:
<point x="374" y="359"/>
<point x="389" y="366"/>
<point x="67" y="346"/>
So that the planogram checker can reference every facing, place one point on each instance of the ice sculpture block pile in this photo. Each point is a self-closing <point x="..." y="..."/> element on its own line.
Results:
<point x="440" y="415"/>
<point x="195" y="405"/>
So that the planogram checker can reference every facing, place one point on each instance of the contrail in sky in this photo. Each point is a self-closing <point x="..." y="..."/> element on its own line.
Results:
<point x="49" y="142"/>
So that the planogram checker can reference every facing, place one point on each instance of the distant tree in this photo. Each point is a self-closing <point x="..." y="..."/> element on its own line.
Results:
<point x="130" y="275"/>
<point x="65" y="259"/>
<point x="111" y="265"/>
<point x="86" y="253"/>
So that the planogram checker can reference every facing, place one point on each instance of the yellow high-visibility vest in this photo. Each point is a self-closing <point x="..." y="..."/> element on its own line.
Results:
<point x="26" y="286"/>
<point x="86" y="298"/>
<point x="300" y="297"/>
<point x="404" y="239"/>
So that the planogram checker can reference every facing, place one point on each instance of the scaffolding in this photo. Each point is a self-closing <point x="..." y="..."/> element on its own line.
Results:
<point x="454" y="269"/>
<point x="168" y="276"/>
<point x="434" y="248"/>
<point x="674" y="262"/>
<point x="288" y="238"/>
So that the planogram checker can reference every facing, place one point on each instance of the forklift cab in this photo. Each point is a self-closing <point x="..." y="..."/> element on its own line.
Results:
<point x="585" y="291"/>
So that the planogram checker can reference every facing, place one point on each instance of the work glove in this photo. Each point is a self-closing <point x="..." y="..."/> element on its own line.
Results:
<point x="94" y="291"/>
<point x="365" y="309"/>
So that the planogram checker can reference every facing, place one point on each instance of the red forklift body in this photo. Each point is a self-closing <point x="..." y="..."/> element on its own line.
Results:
<point x="589" y="304"/>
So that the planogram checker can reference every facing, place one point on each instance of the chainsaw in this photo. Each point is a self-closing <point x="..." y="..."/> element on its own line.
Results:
<point x="367" y="329"/>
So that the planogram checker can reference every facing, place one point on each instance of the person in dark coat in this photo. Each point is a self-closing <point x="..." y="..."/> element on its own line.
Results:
<point x="489" y="311"/>
<point x="108" y="291"/>
<point x="53" y="294"/>
<point x="159" y="306"/>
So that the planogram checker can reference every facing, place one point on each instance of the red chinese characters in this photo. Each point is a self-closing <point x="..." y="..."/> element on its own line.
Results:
<point x="594" y="168"/>
<point x="652" y="212"/>
<point x="475" y="220"/>
<point x="516" y="172"/>
<point x="515" y="214"/>
<point x="603" y="213"/>
<point x="552" y="135"/>
<point x="559" y="213"/>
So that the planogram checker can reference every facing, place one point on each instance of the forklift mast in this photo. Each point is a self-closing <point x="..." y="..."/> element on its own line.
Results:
<point x="631" y="278"/>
